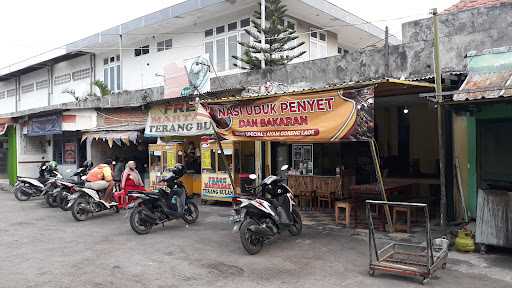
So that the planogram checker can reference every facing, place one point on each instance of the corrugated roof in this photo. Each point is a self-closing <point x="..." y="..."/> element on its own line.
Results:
<point x="485" y="86"/>
<point x="470" y="4"/>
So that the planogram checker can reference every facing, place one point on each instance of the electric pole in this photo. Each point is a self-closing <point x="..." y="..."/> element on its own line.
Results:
<point x="440" y="114"/>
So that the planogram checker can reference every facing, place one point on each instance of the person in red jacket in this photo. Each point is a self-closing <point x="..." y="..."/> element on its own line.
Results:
<point x="130" y="181"/>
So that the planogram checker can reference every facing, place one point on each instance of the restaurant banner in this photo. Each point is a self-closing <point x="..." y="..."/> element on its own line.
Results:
<point x="216" y="186"/>
<point x="177" y="119"/>
<point x="47" y="125"/>
<point x="326" y="116"/>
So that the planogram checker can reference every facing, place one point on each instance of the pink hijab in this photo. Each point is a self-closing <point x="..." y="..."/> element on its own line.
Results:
<point x="133" y="173"/>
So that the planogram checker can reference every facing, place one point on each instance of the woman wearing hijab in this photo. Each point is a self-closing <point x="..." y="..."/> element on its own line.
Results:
<point x="130" y="181"/>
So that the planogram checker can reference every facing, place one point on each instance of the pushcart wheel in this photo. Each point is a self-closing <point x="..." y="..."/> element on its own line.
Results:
<point x="371" y="272"/>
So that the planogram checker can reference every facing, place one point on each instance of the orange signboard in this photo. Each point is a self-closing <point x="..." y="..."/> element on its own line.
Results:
<point x="326" y="116"/>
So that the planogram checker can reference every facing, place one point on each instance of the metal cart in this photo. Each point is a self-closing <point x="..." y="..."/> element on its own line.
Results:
<point x="418" y="260"/>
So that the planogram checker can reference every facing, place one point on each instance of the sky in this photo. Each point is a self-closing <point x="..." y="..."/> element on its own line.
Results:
<point x="32" y="27"/>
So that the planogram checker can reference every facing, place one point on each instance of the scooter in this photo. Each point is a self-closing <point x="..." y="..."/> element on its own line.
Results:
<point x="166" y="204"/>
<point x="26" y="188"/>
<point x="65" y="187"/>
<point x="84" y="202"/>
<point x="259" y="220"/>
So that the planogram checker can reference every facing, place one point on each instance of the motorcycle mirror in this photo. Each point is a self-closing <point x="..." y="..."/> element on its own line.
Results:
<point x="284" y="168"/>
<point x="253" y="176"/>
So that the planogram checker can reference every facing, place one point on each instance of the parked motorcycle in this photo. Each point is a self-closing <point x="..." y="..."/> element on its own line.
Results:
<point x="26" y="188"/>
<point x="65" y="187"/>
<point x="261" y="219"/>
<point x="84" y="202"/>
<point x="165" y="204"/>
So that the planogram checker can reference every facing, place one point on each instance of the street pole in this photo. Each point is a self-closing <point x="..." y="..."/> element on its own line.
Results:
<point x="440" y="118"/>
<point x="258" y="153"/>
<point x="386" y="52"/>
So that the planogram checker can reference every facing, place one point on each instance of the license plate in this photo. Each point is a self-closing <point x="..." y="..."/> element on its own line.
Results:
<point x="235" y="218"/>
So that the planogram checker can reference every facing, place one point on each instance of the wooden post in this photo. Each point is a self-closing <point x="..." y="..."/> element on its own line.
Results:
<point x="380" y="183"/>
<point x="223" y="157"/>
<point x="440" y="114"/>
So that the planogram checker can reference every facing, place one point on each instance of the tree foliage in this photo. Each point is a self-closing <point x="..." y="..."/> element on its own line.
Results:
<point x="277" y="49"/>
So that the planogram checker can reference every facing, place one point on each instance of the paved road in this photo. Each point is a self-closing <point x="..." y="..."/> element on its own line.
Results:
<point x="44" y="247"/>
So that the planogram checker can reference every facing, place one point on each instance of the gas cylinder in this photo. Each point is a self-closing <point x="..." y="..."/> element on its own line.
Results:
<point x="464" y="241"/>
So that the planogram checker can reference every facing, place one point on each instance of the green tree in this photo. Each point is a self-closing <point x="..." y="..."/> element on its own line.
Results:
<point x="277" y="39"/>
<point x="104" y="91"/>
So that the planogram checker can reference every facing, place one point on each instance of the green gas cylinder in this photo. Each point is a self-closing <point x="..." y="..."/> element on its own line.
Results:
<point x="464" y="241"/>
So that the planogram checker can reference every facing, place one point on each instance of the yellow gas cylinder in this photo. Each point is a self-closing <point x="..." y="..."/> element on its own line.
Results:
<point x="464" y="241"/>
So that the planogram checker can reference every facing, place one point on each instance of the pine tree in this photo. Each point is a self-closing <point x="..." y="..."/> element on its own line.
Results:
<point x="277" y="38"/>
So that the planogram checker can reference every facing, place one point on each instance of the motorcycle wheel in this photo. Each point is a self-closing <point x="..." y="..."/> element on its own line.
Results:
<point x="251" y="243"/>
<point x="77" y="210"/>
<point x="296" y="228"/>
<point x="135" y="222"/>
<point x="62" y="199"/>
<point x="19" y="195"/>
<point x="51" y="200"/>
<point x="190" y="213"/>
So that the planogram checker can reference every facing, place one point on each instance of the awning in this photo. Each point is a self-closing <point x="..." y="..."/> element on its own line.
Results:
<point x="490" y="76"/>
<point x="485" y="86"/>
<point x="118" y="137"/>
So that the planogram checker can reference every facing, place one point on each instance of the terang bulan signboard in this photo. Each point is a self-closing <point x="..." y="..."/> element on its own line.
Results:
<point x="324" y="116"/>
<point x="177" y="119"/>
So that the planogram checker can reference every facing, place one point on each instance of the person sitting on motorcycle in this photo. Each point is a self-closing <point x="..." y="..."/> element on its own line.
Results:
<point x="131" y="179"/>
<point x="100" y="178"/>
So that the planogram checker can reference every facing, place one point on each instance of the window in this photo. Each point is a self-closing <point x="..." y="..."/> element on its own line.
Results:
<point x="27" y="88"/>
<point x="245" y="22"/>
<point x="2" y="95"/>
<point x="112" y="73"/>
<point x="142" y="50"/>
<point x="10" y="93"/>
<point x="221" y="43"/>
<point x="342" y="51"/>
<point x="64" y="150"/>
<point x="232" y="26"/>
<point x="62" y="79"/>
<point x="81" y="74"/>
<point x="318" y="45"/>
<point x="164" y="45"/>
<point x="42" y="84"/>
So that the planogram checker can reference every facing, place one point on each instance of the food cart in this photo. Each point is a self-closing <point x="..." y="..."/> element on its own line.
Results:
<point x="163" y="157"/>
<point x="215" y="180"/>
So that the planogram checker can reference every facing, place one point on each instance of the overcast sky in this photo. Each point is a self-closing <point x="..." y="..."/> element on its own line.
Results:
<point x="30" y="27"/>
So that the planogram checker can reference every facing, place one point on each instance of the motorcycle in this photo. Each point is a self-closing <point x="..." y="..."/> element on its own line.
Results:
<point x="26" y="188"/>
<point x="84" y="202"/>
<point x="168" y="203"/>
<point x="260" y="219"/>
<point x="65" y="187"/>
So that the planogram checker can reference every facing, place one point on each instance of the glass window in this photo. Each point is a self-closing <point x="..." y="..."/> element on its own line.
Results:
<point x="220" y="30"/>
<point x="208" y="33"/>
<point x="244" y="37"/>
<point x="221" y="54"/>
<point x="314" y="34"/>
<point x="145" y="49"/>
<point x="118" y="57"/>
<point x="323" y="37"/>
<point x="168" y="44"/>
<point x="245" y="22"/>
<point x="137" y="52"/>
<point x="105" y="61"/>
<point x="160" y="46"/>
<point x="111" y="85"/>
<point x="232" y="26"/>
<point x="208" y="49"/>
<point x="112" y="59"/>
<point x="233" y="50"/>
<point x="105" y="75"/>
<point x="118" y="77"/>
<point x="290" y="25"/>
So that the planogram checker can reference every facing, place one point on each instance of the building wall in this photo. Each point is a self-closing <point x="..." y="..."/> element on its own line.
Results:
<point x="31" y="152"/>
<point x="7" y="104"/>
<point x="81" y="87"/>
<point x="37" y="97"/>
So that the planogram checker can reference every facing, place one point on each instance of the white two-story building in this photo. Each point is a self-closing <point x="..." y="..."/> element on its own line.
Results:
<point x="132" y="56"/>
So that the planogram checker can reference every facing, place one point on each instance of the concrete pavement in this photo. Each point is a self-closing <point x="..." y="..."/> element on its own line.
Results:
<point x="45" y="247"/>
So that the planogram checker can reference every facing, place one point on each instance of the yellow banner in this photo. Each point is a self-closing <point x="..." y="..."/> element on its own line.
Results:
<point x="206" y="158"/>
<point x="326" y="116"/>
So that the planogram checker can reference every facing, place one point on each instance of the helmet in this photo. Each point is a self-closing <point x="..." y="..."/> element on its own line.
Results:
<point x="52" y="166"/>
<point x="179" y="170"/>
<point x="87" y="165"/>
